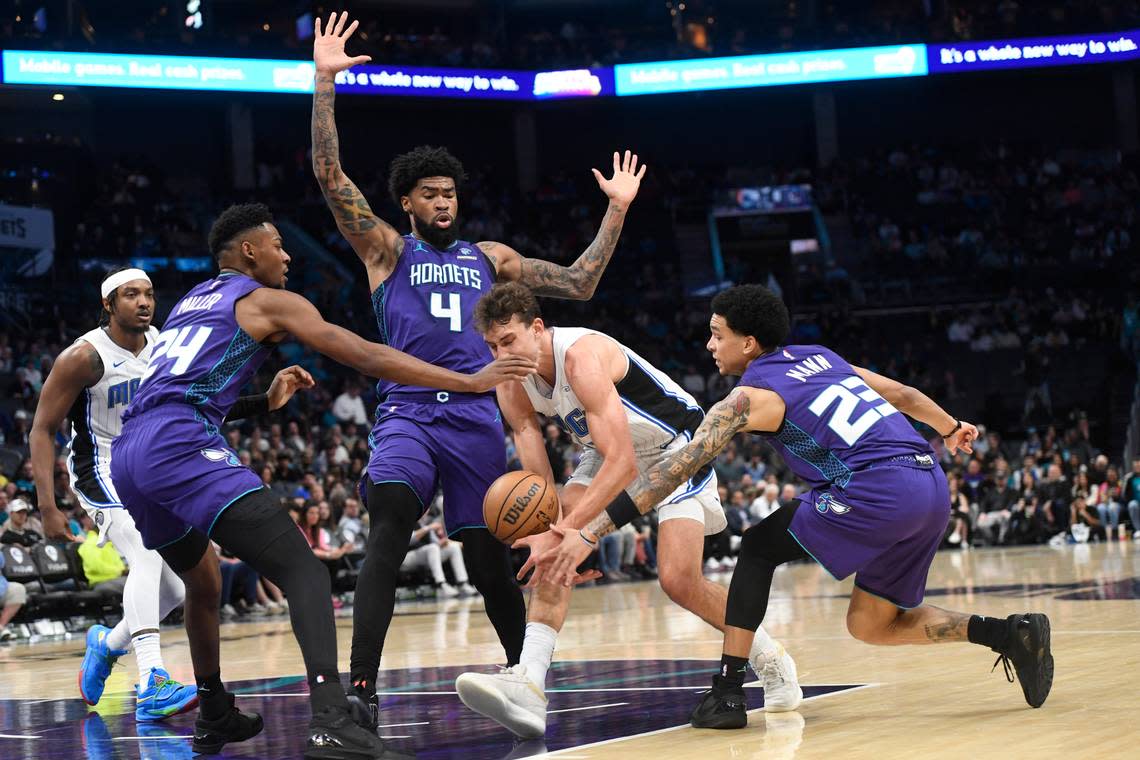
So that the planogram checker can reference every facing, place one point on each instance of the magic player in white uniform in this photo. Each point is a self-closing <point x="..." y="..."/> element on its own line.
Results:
<point x="91" y="383"/>
<point x="629" y="416"/>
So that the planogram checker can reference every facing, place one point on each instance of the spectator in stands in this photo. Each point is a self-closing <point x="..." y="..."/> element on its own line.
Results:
<point x="320" y="540"/>
<point x="1109" y="498"/>
<point x="1131" y="492"/>
<point x="430" y="548"/>
<point x="737" y="513"/>
<point x="995" y="511"/>
<point x="349" y="406"/>
<point x="729" y="469"/>
<point x="961" y="517"/>
<point x="21" y="529"/>
<point x="1084" y="506"/>
<point x="788" y="495"/>
<point x="352" y="528"/>
<point x="1055" y="496"/>
<point x="767" y="502"/>
<point x="13" y="596"/>
<point x="103" y="566"/>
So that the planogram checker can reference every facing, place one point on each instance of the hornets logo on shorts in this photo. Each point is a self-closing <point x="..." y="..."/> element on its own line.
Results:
<point x="827" y="502"/>
<point x="221" y="455"/>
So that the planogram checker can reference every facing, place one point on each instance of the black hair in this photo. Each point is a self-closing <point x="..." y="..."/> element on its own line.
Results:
<point x="112" y="297"/>
<point x="409" y="168"/>
<point x="754" y="310"/>
<point x="235" y="220"/>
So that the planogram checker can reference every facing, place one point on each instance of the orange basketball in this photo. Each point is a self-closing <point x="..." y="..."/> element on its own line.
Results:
<point x="519" y="504"/>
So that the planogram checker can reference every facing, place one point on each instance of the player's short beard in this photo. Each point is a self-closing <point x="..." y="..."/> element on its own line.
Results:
<point x="434" y="236"/>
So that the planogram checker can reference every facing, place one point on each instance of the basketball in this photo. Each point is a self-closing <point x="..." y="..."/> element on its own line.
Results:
<point x="519" y="504"/>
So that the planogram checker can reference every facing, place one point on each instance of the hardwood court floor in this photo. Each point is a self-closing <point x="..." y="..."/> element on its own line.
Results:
<point x="631" y="664"/>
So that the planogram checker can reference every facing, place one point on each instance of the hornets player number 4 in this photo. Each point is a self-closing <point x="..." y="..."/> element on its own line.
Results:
<point x="424" y="288"/>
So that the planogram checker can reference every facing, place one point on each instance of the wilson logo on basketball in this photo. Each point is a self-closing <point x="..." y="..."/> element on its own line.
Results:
<point x="520" y="505"/>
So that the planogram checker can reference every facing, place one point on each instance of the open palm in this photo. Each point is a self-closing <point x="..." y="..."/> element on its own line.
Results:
<point x="622" y="187"/>
<point x="328" y="45"/>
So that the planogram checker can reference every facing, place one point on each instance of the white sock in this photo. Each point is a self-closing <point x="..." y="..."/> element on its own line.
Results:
<point x="148" y="654"/>
<point x="538" y="651"/>
<point x="763" y="645"/>
<point x="120" y="636"/>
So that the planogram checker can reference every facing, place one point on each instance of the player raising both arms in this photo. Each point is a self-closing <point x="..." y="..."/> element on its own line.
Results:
<point x="184" y="486"/>
<point x="627" y="415"/>
<point x="424" y="288"/>
<point x="878" y="507"/>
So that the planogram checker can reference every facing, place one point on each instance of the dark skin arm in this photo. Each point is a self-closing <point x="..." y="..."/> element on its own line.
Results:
<point x="76" y="368"/>
<point x="270" y="314"/>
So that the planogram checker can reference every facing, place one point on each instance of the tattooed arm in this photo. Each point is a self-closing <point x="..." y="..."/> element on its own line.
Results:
<point x="376" y="242"/>
<point x="727" y="418"/>
<point x="580" y="279"/>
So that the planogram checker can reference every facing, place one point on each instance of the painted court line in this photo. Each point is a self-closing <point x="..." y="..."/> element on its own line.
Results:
<point x="19" y="736"/>
<point x="588" y="707"/>
<point x="172" y="737"/>
<point x="398" y="725"/>
<point x="568" y="752"/>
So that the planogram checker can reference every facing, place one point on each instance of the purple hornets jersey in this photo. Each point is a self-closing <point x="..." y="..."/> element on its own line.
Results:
<point x="834" y="424"/>
<point x="425" y="307"/>
<point x="202" y="357"/>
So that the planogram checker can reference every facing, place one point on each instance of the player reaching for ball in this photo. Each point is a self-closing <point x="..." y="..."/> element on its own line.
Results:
<point x="878" y="506"/>
<point x="424" y="287"/>
<point x="629" y="416"/>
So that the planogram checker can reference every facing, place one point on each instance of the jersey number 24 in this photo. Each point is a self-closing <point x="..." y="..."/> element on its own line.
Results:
<point x="843" y="421"/>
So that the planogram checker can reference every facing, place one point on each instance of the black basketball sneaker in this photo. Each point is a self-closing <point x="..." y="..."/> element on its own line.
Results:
<point x="1027" y="652"/>
<point x="721" y="707"/>
<point x="235" y="726"/>
<point x="334" y="735"/>
<point x="364" y="706"/>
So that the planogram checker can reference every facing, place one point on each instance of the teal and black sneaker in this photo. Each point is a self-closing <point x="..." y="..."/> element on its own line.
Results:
<point x="164" y="697"/>
<point x="97" y="663"/>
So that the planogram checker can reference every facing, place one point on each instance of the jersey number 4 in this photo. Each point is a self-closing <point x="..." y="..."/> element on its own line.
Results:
<point x="181" y="345"/>
<point x="841" y="422"/>
<point x="452" y="313"/>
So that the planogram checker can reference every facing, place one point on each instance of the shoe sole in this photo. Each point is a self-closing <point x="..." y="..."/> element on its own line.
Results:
<point x="214" y="748"/>
<point x="492" y="704"/>
<point x="1044" y="669"/>
<point x="777" y="706"/>
<point x="148" y="718"/>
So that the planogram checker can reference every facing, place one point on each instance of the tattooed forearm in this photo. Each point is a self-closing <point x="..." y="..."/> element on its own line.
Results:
<point x="353" y="214"/>
<point x="723" y="421"/>
<point x="580" y="279"/>
<point x="601" y="525"/>
<point x="952" y="628"/>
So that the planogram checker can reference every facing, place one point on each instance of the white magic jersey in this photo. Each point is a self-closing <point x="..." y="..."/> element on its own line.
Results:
<point x="658" y="409"/>
<point x="96" y="417"/>
<point x="662" y="418"/>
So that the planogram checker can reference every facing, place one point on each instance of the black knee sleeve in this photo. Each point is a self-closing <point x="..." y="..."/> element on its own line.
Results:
<point x="489" y="567"/>
<point x="393" y="510"/>
<point x="185" y="553"/>
<point x="763" y="548"/>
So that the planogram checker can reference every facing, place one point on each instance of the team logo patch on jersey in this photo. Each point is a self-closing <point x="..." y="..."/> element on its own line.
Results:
<point x="99" y="518"/>
<point x="789" y="356"/>
<point x="826" y="502"/>
<point x="221" y="455"/>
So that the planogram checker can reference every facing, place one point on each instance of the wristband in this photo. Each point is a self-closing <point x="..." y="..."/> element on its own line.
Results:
<point x="256" y="405"/>
<point x="582" y="535"/>
<point x="957" y="427"/>
<point x="622" y="510"/>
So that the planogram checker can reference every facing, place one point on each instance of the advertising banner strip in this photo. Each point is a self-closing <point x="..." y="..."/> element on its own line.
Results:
<point x="1030" y="53"/>
<point x="770" y="70"/>
<point x="259" y="75"/>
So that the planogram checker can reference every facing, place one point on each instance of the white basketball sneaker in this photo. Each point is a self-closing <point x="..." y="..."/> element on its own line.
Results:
<point x="777" y="673"/>
<point x="508" y="697"/>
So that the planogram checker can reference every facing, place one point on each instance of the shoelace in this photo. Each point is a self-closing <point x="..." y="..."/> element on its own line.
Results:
<point x="1004" y="660"/>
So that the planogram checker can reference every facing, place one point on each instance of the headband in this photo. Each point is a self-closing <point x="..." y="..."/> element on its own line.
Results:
<point x="119" y="278"/>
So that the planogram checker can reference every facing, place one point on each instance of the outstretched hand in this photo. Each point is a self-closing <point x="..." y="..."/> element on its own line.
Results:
<point x="502" y="370"/>
<point x="286" y="383"/>
<point x="623" y="186"/>
<point x="555" y="556"/>
<point x="328" y="45"/>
